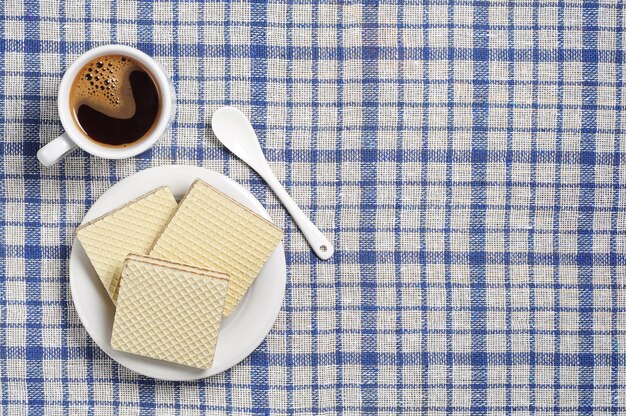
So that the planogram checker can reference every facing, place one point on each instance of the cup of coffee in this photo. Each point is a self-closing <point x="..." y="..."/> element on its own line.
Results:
<point x="114" y="102"/>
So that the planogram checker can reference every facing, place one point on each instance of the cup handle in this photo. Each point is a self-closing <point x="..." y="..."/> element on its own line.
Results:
<point x="55" y="150"/>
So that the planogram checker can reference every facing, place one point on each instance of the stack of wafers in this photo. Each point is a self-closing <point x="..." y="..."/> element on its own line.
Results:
<point x="174" y="270"/>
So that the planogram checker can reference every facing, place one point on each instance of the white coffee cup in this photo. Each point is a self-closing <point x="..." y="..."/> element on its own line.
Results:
<point x="74" y="136"/>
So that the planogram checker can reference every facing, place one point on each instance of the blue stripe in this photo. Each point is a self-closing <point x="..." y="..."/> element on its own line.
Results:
<point x="369" y="360"/>
<point x="175" y="50"/>
<point x="478" y="257"/>
<point x="31" y="251"/>
<point x="338" y="156"/>
<point x="585" y="221"/>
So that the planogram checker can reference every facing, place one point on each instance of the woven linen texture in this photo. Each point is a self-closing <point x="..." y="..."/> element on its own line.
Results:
<point x="465" y="157"/>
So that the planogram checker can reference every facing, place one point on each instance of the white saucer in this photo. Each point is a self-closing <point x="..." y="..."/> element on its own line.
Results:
<point x="240" y="333"/>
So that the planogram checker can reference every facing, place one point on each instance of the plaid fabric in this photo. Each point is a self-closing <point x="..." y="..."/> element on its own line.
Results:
<point x="466" y="158"/>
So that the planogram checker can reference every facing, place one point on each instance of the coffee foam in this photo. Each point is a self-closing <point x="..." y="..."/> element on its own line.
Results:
<point x="103" y="84"/>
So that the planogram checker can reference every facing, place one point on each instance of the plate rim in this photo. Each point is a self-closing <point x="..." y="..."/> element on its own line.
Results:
<point x="195" y="171"/>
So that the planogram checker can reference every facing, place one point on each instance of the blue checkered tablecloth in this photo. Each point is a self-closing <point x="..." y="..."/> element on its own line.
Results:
<point x="465" y="157"/>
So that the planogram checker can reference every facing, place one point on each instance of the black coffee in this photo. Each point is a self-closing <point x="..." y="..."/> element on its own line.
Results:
<point x="115" y="101"/>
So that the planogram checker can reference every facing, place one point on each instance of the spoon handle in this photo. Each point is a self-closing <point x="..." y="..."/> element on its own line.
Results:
<point x="318" y="241"/>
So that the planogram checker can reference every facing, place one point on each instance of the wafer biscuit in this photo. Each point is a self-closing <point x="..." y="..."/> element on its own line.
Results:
<point x="169" y="311"/>
<point x="211" y="230"/>
<point x="132" y="228"/>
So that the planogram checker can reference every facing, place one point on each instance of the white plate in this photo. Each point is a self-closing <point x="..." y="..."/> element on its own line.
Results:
<point x="240" y="333"/>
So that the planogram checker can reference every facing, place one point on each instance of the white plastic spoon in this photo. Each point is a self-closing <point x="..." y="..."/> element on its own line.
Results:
<point x="234" y="130"/>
